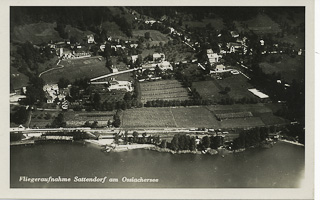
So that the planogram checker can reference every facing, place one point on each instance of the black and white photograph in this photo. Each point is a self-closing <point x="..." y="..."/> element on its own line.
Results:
<point x="158" y="97"/>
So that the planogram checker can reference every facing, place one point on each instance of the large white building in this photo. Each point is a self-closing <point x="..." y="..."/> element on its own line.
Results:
<point x="213" y="57"/>
<point x="120" y="85"/>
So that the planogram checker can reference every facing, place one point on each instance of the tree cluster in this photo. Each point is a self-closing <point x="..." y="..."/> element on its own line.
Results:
<point x="251" y="137"/>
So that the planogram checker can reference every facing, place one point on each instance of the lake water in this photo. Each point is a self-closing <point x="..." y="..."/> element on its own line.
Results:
<point x="279" y="167"/>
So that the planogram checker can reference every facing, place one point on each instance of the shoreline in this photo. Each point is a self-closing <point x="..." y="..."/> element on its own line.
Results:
<point x="291" y="142"/>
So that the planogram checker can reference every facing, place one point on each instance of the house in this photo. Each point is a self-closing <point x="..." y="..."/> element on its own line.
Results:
<point x="149" y="66"/>
<point x="262" y="42"/>
<point x="220" y="68"/>
<point x="102" y="47"/>
<point x="52" y="92"/>
<point x="120" y="85"/>
<point x="213" y="57"/>
<point x="234" y="34"/>
<point x="90" y="39"/>
<point x="158" y="57"/>
<point x="150" y="21"/>
<point x="134" y="58"/>
<point x="114" y="69"/>
<point x="171" y="30"/>
<point x="233" y="47"/>
<point x="134" y="45"/>
<point x="165" y="65"/>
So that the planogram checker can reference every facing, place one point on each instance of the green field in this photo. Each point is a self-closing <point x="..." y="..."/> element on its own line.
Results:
<point x="156" y="36"/>
<point x="208" y="90"/>
<point x="147" y="117"/>
<point x="79" y="118"/>
<point x="42" y="118"/>
<point x="35" y="33"/>
<point x="289" y="68"/>
<point x="217" y="23"/>
<point x="194" y="117"/>
<point x="201" y="116"/>
<point x="163" y="89"/>
<point x="262" y="24"/>
<point x="239" y="86"/>
<point x="77" y="68"/>
<point x="179" y="53"/>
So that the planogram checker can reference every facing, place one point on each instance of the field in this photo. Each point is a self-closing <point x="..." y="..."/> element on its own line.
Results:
<point x="79" y="118"/>
<point x="208" y="90"/>
<point x="77" y="68"/>
<point x="35" y="33"/>
<point x="194" y="117"/>
<point x="164" y="90"/>
<point x="289" y="68"/>
<point x="156" y="36"/>
<point x="18" y="79"/>
<point x="216" y="23"/>
<point x="262" y="24"/>
<point x="42" y="118"/>
<point x="179" y="53"/>
<point x="198" y="117"/>
<point x="113" y="30"/>
<point x="148" y="117"/>
<point x="239" y="86"/>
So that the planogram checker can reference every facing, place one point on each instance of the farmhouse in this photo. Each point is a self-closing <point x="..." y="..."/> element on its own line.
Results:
<point x="52" y="92"/>
<point x="220" y="68"/>
<point x="114" y="69"/>
<point x="150" y="21"/>
<point x="134" y="45"/>
<point x="134" y="58"/>
<point x="233" y="47"/>
<point x="90" y="39"/>
<point x="234" y="34"/>
<point x="158" y="57"/>
<point x="165" y="65"/>
<point x="120" y="85"/>
<point x="213" y="57"/>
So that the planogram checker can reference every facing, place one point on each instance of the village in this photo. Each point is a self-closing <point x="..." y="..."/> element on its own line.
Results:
<point x="209" y="85"/>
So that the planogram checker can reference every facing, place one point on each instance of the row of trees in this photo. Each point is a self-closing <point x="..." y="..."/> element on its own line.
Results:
<point x="251" y="137"/>
<point x="182" y="142"/>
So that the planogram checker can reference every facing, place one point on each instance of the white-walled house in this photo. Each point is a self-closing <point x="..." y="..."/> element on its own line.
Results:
<point x="120" y="85"/>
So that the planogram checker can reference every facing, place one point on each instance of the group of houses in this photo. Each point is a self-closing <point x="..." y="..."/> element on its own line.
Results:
<point x="54" y="94"/>
<point x="158" y="60"/>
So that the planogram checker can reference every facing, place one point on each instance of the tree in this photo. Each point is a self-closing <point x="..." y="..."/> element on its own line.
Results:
<point x="20" y="116"/>
<point x="63" y="83"/>
<point x="135" y="136"/>
<point x="147" y="35"/>
<point x="206" y="142"/>
<point x="96" y="100"/>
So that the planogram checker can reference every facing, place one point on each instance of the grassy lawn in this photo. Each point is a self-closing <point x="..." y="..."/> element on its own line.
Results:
<point x="18" y="79"/>
<point x="75" y="69"/>
<point x="289" y="68"/>
<point x="164" y="90"/>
